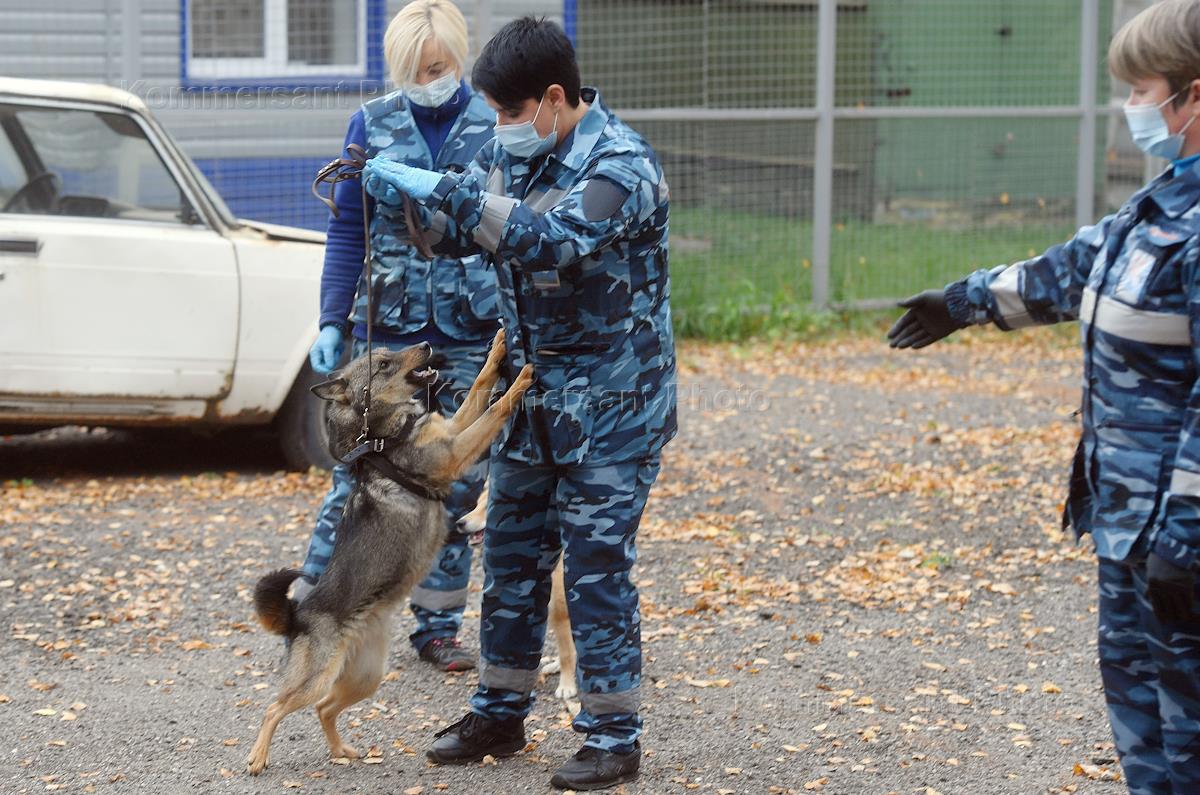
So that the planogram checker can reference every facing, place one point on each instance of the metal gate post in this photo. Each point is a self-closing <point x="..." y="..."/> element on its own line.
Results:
<point x="823" y="161"/>
<point x="1089" y="75"/>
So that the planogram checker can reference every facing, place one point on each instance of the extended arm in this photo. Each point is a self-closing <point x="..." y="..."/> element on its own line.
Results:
<point x="1043" y="290"/>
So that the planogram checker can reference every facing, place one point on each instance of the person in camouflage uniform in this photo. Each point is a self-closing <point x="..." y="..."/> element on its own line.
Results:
<point x="570" y="207"/>
<point x="1133" y="281"/>
<point x="436" y="121"/>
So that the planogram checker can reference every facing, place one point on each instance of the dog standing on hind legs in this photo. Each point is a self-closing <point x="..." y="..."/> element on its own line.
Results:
<point x="393" y="526"/>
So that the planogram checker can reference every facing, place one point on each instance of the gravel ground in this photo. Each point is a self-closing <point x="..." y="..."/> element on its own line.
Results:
<point x="851" y="570"/>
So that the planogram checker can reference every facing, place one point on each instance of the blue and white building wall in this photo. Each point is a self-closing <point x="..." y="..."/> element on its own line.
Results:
<point x="258" y="92"/>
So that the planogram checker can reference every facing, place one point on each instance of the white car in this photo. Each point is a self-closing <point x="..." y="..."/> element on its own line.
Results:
<point x="129" y="295"/>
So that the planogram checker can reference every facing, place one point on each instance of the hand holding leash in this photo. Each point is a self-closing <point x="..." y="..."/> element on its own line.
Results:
<point x="389" y="181"/>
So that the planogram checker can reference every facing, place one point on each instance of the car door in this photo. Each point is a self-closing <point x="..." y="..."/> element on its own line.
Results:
<point x="112" y="288"/>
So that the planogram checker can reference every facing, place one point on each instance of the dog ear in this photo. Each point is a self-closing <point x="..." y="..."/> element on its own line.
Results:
<point x="335" y="389"/>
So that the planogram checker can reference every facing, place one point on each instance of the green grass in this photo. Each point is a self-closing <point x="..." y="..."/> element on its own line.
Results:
<point x="738" y="275"/>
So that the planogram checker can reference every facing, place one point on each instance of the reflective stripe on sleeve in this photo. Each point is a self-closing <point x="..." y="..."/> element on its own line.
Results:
<point x="1006" y="290"/>
<point x="496" y="210"/>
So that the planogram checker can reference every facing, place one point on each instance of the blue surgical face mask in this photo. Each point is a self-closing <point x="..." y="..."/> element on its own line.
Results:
<point x="1149" y="129"/>
<point x="435" y="93"/>
<point x="522" y="140"/>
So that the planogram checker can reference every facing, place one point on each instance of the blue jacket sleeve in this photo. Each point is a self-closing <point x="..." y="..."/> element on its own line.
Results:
<point x="1040" y="291"/>
<point x="445" y="235"/>
<point x="344" y="246"/>
<point x="620" y="189"/>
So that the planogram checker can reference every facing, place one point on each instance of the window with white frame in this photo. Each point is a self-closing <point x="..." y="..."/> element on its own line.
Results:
<point x="232" y="39"/>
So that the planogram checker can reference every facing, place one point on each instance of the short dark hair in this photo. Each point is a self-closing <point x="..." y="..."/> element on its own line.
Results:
<point x="523" y="59"/>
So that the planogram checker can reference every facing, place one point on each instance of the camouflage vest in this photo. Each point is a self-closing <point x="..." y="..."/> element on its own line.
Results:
<point x="456" y="295"/>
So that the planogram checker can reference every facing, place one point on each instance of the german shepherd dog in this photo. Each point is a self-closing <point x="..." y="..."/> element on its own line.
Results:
<point x="340" y="634"/>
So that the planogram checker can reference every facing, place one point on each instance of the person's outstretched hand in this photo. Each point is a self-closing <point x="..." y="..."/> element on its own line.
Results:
<point x="926" y="321"/>
<point x="327" y="350"/>
<point x="1171" y="589"/>
<point x="387" y="180"/>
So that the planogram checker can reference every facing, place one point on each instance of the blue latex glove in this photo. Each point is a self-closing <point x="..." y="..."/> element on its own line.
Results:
<point x="387" y="180"/>
<point x="327" y="350"/>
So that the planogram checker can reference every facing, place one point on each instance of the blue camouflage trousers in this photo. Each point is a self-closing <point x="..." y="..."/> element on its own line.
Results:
<point x="1151" y="678"/>
<point x="590" y="515"/>
<point x="439" y="600"/>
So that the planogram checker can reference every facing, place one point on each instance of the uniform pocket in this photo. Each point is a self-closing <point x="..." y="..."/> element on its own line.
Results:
<point x="479" y="293"/>
<point x="1147" y="251"/>
<point x="390" y="283"/>
<point x="563" y="408"/>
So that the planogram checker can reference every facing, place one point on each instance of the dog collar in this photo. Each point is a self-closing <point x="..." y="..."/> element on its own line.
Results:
<point x="377" y="445"/>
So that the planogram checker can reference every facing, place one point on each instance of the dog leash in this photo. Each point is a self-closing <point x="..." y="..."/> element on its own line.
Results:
<point x="370" y="449"/>
<point x="351" y="167"/>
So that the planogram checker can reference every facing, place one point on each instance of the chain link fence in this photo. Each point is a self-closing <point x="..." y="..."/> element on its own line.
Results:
<point x="820" y="152"/>
<point x="849" y="153"/>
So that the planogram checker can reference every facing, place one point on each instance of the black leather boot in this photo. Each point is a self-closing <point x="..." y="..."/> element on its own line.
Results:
<point x="475" y="737"/>
<point x="592" y="768"/>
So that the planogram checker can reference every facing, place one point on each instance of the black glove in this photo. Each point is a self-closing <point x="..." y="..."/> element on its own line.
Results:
<point x="1170" y="588"/>
<point x="926" y="321"/>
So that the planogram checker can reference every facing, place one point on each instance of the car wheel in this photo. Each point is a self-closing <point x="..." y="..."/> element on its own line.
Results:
<point x="303" y="438"/>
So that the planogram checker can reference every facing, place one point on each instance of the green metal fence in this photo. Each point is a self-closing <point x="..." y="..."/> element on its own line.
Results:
<point x="833" y="152"/>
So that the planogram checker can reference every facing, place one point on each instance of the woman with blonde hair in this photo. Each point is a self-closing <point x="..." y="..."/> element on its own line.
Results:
<point x="433" y="120"/>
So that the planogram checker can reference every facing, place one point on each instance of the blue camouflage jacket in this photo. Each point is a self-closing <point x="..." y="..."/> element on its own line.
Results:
<point x="1133" y="280"/>
<point x="578" y="240"/>
<point x="457" y="295"/>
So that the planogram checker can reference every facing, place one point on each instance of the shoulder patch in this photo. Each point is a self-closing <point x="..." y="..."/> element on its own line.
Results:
<point x="602" y="198"/>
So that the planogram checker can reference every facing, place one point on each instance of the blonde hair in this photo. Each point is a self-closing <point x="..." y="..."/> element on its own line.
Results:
<point x="1162" y="41"/>
<point x="412" y="26"/>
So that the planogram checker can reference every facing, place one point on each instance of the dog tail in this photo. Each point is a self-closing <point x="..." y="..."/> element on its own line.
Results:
<point x="276" y="612"/>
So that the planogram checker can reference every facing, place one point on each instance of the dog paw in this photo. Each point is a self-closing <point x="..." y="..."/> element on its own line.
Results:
<point x="524" y="378"/>
<point x="551" y="666"/>
<point x="256" y="763"/>
<point x="567" y="692"/>
<point x="345" y="751"/>
<point x="497" y="351"/>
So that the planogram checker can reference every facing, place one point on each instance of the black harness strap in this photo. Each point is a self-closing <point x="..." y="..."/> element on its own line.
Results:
<point x="371" y="452"/>
<point x="380" y="463"/>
